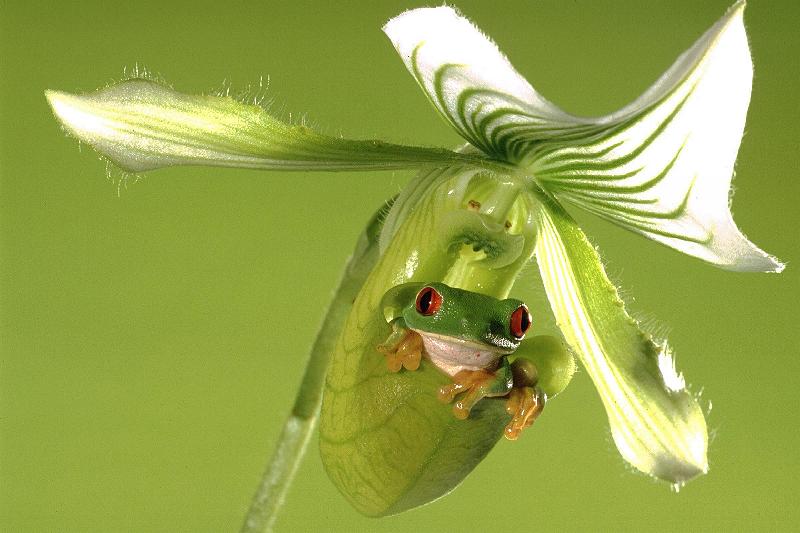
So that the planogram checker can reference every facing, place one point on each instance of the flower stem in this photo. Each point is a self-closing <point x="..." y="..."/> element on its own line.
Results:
<point x="300" y="423"/>
<point x="279" y="474"/>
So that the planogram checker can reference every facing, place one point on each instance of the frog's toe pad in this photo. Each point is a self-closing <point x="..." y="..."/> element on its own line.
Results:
<point x="524" y="404"/>
<point x="406" y="354"/>
<point x="393" y="363"/>
<point x="410" y="355"/>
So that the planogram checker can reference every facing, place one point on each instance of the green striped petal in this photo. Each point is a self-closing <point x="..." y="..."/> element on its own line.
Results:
<point x="472" y="84"/>
<point x="657" y="425"/>
<point x="662" y="166"/>
<point x="142" y="125"/>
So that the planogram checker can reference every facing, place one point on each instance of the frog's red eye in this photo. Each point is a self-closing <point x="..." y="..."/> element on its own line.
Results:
<point x="428" y="301"/>
<point x="520" y="321"/>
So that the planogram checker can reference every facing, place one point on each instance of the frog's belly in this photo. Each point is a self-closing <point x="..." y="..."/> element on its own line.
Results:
<point x="454" y="355"/>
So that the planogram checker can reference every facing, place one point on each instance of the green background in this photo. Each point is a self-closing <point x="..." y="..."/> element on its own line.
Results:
<point x="151" y="341"/>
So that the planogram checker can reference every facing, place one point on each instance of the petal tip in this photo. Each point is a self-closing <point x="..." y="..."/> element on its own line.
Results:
<point x="772" y="265"/>
<point x="753" y="259"/>
<point x="430" y="13"/>
<point x="59" y="103"/>
<point x="681" y="457"/>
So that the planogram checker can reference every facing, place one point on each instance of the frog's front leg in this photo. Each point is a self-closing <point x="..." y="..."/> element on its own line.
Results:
<point x="517" y="381"/>
<point x="403" y="348"/>
<point x="473" y="385"/>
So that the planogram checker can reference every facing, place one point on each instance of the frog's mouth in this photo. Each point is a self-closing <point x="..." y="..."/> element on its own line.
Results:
<point x="493" y="343"/>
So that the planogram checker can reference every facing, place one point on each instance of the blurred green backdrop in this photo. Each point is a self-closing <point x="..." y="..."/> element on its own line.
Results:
<point x="151" y="341"/>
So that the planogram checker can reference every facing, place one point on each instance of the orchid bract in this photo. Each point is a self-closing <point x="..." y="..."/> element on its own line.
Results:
<point x="477" y="218"/>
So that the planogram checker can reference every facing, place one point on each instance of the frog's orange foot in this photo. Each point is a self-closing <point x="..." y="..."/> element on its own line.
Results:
<point x="525" y="404"/>
<point x="472" y="385"/>
<point x="405" y="354"/>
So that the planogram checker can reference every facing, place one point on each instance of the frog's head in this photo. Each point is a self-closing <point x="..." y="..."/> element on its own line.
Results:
<point x="467" y="316"/>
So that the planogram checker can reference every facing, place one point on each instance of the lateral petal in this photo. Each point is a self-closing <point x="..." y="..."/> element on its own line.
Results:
<point x="656" y="423"/>
<point x="142" y="125"/>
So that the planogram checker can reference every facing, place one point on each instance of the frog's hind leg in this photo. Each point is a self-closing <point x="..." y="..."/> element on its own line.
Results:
<point x="403" y="348"/>
<point x="474" y="385"/>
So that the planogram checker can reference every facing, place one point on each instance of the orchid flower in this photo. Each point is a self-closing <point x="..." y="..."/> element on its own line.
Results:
<point x="660" y="167"/>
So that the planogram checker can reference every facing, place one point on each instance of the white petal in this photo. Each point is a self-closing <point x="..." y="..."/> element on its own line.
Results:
<point x="471" y="82"/>
<point x="662" y="166"/>
<point x="141" y="125"/>
<point x="657" y="425"/>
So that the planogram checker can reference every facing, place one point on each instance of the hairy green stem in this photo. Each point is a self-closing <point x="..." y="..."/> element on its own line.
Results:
<point x="299" y="425"/>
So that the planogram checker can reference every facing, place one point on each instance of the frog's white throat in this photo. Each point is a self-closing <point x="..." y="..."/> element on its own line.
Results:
<point x="452" y="355"/>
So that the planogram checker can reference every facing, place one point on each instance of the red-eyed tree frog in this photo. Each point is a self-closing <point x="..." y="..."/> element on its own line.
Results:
<point x="470" y="337"/>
